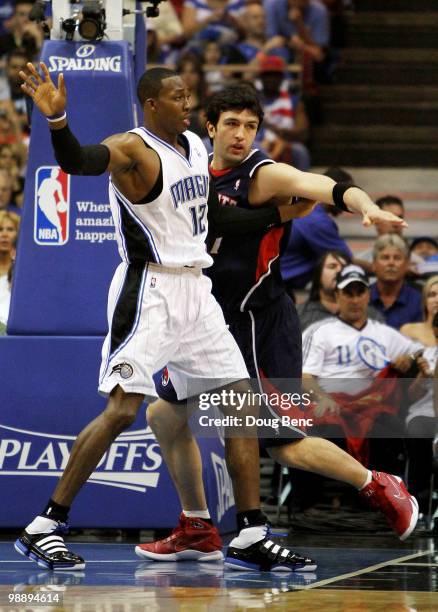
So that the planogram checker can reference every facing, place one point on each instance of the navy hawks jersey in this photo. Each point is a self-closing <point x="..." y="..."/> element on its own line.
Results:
<point x="246" y="271"/>
<point x="171" y="228"/>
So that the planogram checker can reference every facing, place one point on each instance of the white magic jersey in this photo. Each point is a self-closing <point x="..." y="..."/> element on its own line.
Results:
<point x="334" y="350"/>
<point x="171" y="229"/>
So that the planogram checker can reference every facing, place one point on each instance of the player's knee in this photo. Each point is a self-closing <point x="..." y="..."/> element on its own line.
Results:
<point x="121" y="411"/>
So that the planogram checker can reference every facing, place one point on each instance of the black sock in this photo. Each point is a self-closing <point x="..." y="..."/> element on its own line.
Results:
<point x="250" y="518"/>
<point x="56" y="512"/>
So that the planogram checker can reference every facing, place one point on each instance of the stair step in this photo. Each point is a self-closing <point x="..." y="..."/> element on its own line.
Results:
<point x="397" y="19"/>
<point x="396" y="5"/>
<point x="382" y="93"/>
<point x="401" y="30"/>
<point x="358" y="55"/>
<point x="383" y="135"/>
<point x="381" y="74"/>
<point x="367" y="156"/>
<point x="366" y="112"/>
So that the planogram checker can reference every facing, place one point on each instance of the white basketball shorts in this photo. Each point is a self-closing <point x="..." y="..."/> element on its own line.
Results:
<point x="161" y="316"/>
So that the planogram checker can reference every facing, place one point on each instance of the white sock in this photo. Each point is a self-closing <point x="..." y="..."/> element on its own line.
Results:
<point x="368" y="480"/>
<point x="248" y="536"/>
<point x="41" y="524"/>
<point x="203" y="514"/>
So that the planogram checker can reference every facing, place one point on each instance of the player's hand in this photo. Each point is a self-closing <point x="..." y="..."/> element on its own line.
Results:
<point x="302" y="208"/>
<point x="376" y="215"/>
<point x="49" y="99"/>
<point x="327" y="405"/>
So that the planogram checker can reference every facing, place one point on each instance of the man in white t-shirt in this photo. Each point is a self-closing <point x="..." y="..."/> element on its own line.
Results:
<point x="351" y="346"/>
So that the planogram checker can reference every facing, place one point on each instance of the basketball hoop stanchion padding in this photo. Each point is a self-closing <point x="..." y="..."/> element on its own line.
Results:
<point x="50" y="359"/>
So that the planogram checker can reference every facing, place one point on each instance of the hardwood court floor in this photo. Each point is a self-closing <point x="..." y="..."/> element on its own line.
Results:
<point x="354" y="575"/>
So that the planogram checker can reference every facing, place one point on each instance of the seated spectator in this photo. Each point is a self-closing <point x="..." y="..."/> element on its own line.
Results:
<point x="9" y="225"/>
<point x="255" y="40"/>
<point x="5" y="299"/>
<point x="322" y="302"/>
<point x="22" y="32"/>
<point x="423" y="332"/>
<point x="422" y="423"/>
<point x="212" y="19"/>
<point x="424" y="255"/>
<point x="311" y="237"/>
<point x="16" y="60"/>
<point x="343" y="358"/>
<point x="6" y="186"/>
<point x="390" y="294"/>
<point x="304" y="24"/>
<point x="11" y="129"/>
<point x="12" y="158"/>
<point x="190" y="68"/>
<point x="285" y="124"/>
<point x="213" y="54"/>
<point x="6" y="12"/>
<point x="392" y="204"/>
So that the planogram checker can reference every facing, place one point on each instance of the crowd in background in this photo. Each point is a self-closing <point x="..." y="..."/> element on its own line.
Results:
<point x="259" y="41"/>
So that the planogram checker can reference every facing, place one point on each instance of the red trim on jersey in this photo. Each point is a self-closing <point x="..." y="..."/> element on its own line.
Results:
<point x="217" y="173"/>
<point x="269" y="249"/>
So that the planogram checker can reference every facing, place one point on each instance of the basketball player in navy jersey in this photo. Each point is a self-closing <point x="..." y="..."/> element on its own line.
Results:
<point x="159" y="195"/>
<point x="247" y="283"/>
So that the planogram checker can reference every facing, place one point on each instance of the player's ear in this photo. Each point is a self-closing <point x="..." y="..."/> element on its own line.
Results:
<point x="211" y="129"/>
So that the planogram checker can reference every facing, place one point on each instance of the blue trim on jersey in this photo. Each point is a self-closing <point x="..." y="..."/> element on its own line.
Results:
<point x="169" y="146"/>
<point x="115" y="306"/>
<point x="136" y="320"/>
<point x="119" y="225"/>
<point x="121" y="199"/>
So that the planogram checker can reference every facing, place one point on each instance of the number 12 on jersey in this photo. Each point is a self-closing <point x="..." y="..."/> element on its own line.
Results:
<point x="198" y="215"/>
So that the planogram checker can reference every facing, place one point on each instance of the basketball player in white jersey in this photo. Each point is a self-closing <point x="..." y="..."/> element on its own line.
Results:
<point x="160" y="307"/>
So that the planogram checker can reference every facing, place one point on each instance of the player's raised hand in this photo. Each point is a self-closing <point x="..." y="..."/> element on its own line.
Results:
<point x="51" y="100"/>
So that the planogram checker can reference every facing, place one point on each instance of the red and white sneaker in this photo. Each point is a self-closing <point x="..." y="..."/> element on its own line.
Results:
<point x="193" y="539"/>
<point x="389" y="494"/>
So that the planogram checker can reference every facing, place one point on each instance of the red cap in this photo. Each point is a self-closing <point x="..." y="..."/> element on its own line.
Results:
<point x="272" y="63"/>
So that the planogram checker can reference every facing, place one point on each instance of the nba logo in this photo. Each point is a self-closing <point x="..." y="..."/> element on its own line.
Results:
<point x="52" y="206"/>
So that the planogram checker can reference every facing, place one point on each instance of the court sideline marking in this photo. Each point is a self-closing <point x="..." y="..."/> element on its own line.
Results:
<point x="365" y="570"/>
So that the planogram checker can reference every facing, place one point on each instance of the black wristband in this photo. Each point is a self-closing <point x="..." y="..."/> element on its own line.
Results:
<point x="338" y="195"/>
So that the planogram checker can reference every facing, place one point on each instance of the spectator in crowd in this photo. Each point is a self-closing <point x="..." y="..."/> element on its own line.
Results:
<point x="311" y="237"/>
<point x="6" y="186"/>
<point x="390" y="294"/>
<point x="395" y="205"/>
<point x="423" y="332"/>
<point x="424" y="255"/>
<point x="16" y="60"/>
<point x="212" y="19"/>
<point x="9" y="225"/>
<point x="190" y="68"/>
<point x="344" y="355"/>
<point x="322" y="302"/>
<point x="422" y="419"/>
<point x="165" y="36"/>
<point x="22" y="32"/>
<point x="212" y="54"/>
<point x="255" y="40"/>
<point x="285" y="125"/>
<point x="11" y="129"/>
<point x="6" y="12"/>
<point x="12" y="158"/>
<point x="304" y="24"/>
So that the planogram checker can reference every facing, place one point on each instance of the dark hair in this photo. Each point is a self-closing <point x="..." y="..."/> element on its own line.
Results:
<point x="235" y="97"/>
<point x="195" y="60"/>
<point x="338" y="174"/>
<point x="435" y="320"/>
<point x="317" y="272"/>
<point x="17" y="52"/>
<point x="389" y="199"/>
<point x="150" y="83"/>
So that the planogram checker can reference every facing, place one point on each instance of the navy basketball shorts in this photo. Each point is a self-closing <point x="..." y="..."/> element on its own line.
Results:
<point x="270" y="341"/>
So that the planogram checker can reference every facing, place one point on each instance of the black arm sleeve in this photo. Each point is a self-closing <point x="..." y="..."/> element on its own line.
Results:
<point x="76" y="159"/>
<point x="232" y="221"/>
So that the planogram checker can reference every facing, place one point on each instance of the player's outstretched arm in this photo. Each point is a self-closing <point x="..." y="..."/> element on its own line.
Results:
<point x="281" y="180"/>
<point x="117" y="152"/>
